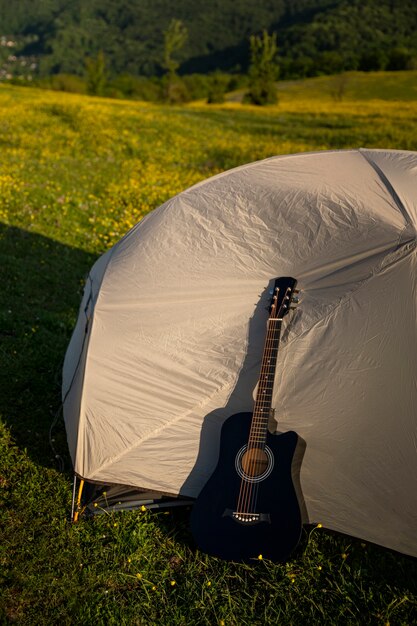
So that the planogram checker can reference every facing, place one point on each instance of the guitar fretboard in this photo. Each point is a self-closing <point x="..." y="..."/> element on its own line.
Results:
<point x="263" y="403"/>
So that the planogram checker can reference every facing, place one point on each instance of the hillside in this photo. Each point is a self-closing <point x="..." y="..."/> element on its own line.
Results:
<point x="315" y="36"/>
<point x="352" y="86"/>
<point x="101" y="165"/>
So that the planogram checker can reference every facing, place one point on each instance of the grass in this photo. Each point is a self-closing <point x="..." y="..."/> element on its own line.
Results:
<point x="359" y="86"/>
<point x="75" y="174"/>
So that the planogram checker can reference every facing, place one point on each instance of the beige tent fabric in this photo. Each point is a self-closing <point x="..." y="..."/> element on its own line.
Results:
<point x="177" y="320"/>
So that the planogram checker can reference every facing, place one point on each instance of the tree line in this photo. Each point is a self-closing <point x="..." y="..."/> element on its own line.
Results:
<point x="315" y="36"/>
<point x="260" y="81"/>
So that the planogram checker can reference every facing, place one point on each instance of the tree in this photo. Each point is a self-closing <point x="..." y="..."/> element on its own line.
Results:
<point x="96" y="74"/>
<point x="372" y="60"/>
<point x="263" y="69"/>
<point x="174" y="40"/>
<point x="399" y="59"/>
<point x="217" y="88"/>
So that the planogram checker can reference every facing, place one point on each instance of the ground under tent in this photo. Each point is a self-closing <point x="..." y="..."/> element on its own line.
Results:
<point x="170" y="331"/>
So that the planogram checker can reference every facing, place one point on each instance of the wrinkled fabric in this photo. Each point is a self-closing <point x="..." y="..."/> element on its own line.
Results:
<point x="170" y="334"/>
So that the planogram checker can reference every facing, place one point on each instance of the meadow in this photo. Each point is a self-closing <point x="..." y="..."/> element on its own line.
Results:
<point x="75" y="174"/>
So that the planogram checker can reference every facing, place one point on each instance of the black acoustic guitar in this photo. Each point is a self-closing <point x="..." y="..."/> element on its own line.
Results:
<point x="249" y="506"/>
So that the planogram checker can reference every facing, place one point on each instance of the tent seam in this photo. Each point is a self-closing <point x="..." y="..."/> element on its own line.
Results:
<point x="81" y="419"/>
<point x="388" y="186"/>
<point x="154" y="433"/>
<point x="411" y="244"/>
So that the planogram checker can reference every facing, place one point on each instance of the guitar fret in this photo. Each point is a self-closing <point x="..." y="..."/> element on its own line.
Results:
<point x="263" y="403"/>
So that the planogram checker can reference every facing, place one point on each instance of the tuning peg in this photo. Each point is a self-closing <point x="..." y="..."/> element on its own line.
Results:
<point x="295" y="300"/>
<point x="296" y="290"/>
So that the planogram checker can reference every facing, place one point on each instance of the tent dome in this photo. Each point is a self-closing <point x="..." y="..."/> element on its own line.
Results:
<point x="170" y="333"/>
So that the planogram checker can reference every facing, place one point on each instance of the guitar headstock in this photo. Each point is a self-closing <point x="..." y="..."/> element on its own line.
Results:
<point x="284" y="297"/>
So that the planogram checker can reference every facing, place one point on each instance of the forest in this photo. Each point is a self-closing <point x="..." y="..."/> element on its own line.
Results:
<point x="315" y="37"/>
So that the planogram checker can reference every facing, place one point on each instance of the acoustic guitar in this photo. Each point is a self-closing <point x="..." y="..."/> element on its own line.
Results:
<point x="249" y="506"/>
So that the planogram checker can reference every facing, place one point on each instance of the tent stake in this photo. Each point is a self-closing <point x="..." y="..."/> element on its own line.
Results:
<point x="77" y="512"/>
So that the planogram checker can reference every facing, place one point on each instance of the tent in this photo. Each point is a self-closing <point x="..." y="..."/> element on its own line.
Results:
<point x="170" y="331"/>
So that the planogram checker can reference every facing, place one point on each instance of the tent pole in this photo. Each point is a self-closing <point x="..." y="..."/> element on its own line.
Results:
<point x="77" y="511"/>
<point x="73" y="497"/>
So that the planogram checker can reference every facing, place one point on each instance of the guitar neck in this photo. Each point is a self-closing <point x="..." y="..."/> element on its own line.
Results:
<point x="263" y="403"/>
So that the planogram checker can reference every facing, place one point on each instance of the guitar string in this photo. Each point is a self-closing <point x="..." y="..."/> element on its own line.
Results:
<point x="245" y="485"/>
<point x="257" y="422"/>
<point x="274" y="352"/>
<point x="274" y="348"/>
<point x="249" y="490"/>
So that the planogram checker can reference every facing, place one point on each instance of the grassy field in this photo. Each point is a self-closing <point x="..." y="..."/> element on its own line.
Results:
<point x="75" y="174"/>
<point x="393" y="86"/>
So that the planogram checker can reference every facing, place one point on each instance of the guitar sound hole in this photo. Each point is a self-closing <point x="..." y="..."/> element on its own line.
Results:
<point x="254" y="462"/>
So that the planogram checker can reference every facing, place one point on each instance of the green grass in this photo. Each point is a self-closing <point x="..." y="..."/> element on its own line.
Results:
<point x="75" y="173"/>
<point x="394" y="86"/>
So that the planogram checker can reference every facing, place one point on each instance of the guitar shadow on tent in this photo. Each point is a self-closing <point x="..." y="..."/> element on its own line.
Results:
<point x="42" y="282"/>
<point x="241" y="399"/>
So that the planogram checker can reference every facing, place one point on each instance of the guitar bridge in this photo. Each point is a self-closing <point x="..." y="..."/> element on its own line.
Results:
<point x="248" y="519"/>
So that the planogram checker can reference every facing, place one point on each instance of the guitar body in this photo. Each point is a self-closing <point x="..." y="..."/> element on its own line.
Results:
<point x="237" y="518"/>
